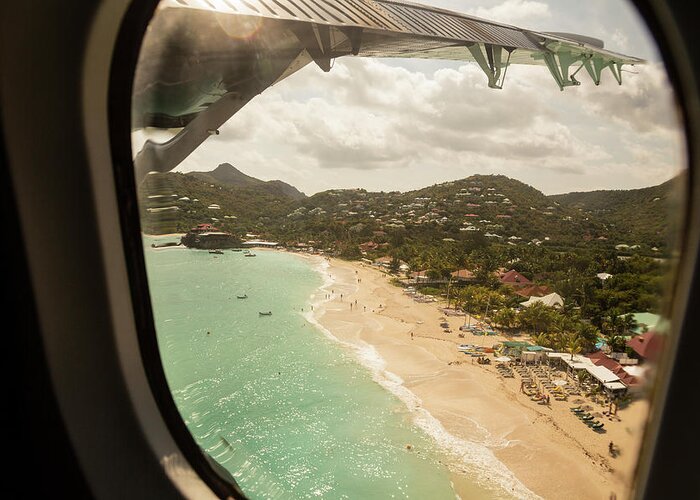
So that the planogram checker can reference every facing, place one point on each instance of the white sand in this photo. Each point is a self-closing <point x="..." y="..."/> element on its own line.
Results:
<point x="469" y="408"/>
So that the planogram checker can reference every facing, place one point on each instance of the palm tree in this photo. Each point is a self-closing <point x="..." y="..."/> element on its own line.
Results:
<point x="505" y="317"/>
<point x="628" y="323"/>
<point x="588" y="334"/>
<point x="573" y="344"/>
<point x="542" y="339"/>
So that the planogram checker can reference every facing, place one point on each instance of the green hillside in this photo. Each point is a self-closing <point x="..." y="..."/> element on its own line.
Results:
<point x="644" y="216"/>
<point x="175" y="202"/>
<point x="478" y="211"/>
<point x="229" y="176"/>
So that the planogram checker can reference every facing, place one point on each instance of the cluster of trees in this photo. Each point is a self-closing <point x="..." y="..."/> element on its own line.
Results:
<point x="568" y="329"/>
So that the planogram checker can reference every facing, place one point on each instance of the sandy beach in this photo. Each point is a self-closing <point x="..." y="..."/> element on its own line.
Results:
<point x="491" y="428"/>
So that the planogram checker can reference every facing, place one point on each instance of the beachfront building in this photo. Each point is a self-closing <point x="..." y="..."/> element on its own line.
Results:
<point x="513" y="348"/>
<point x="260" y="243"/>
<point x="534" y="354"/>
<point x="608" y="381"/>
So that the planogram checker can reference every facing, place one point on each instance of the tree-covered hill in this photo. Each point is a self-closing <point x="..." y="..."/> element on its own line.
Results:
<point x="176" y="202"/>
<point x="646" y="216"/>
<point x="229" y="176"/>
<point x="475" y="212"/>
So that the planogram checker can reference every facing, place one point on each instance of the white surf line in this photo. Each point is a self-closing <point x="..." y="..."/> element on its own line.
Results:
<point x="474" y="457"/>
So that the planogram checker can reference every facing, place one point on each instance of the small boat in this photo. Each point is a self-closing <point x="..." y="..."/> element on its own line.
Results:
<point x="219" y="252"/>
<point x="268" y="313"/>
<point x="249" y="255"/>
<point x="244" y="296"/>
<point x="236" y="250"/>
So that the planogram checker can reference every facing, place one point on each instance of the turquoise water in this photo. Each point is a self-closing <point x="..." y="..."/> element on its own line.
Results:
<point x="289" y="412"/>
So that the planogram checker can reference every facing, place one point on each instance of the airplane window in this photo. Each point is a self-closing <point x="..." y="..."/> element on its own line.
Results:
<point x="410" y="250"/>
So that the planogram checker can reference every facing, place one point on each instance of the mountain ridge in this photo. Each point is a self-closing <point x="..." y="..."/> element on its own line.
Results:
<point x="226" y="174"/>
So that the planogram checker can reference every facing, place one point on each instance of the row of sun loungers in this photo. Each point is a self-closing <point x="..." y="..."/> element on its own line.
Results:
<point x="588" y="419"/>
<point x="505" y="371"/>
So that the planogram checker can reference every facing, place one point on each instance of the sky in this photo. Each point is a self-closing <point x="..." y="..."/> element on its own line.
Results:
<point x="388" y="124"/>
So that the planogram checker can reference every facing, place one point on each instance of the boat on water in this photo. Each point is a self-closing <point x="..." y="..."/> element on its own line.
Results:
<point x="268" y="313"/>
<point x="244" y="296"/>
<point x="219" y="252"/>
<point x="249" y="254"/>
<point x="236" y="250"/>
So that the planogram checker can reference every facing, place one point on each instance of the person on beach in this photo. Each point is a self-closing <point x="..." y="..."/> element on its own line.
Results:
<point x="341" y="297"/>
<point x="351" y="306"/>
<point x="411" y="335"/>
<point x="365" y="308"/>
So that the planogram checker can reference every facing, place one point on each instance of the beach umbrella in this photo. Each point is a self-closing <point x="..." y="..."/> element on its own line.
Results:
<point x="503" y="359"/>
<point x="559" y="382"/>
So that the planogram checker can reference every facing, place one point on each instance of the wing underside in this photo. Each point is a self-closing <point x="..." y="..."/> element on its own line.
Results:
<point x="203" y="60"/>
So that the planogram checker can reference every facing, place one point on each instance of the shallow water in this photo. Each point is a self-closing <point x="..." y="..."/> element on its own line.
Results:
<point x="287" y="410"/>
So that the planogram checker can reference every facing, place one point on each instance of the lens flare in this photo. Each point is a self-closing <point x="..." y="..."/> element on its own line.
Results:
<point x="239" y="27"/>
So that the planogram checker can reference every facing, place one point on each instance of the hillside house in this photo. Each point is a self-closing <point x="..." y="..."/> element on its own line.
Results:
<point x="514" y="278"/>
<point x="551" y="300"/>
<point x="463" y="275"/>
<point x="534" y="291"/>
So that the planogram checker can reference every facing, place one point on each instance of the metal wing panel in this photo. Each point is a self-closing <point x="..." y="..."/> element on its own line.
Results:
<point x="429" y="21"/>
<point x="420" y="22"/>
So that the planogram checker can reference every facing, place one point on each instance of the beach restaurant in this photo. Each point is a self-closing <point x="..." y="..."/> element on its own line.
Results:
<point x="608" y="381"/>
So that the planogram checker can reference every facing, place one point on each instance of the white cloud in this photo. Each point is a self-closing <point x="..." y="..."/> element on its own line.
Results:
<point x="374" y="124"/>
<point x="619" y="40"/>
<point x="517" y="12"/>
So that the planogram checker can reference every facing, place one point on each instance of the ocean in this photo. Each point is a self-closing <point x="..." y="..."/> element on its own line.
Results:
<point x="285" y="408"/>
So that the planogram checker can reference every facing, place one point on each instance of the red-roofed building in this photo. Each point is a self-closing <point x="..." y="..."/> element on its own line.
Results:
<point x="514" y="278"/>
<point x="204" y="228"/>
<point x="368" y="246"/>
<point x="463" y="275"/>
<point x="534" y="291"/>
<point x="599" y="358"/>
<point x="648" y="346"/>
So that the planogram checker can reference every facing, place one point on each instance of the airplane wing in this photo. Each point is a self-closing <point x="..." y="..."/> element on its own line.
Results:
<point x="203" y="60"/>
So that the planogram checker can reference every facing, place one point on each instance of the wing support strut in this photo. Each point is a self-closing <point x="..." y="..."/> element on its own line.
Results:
<point x="559" y="68"/>
<point x="492" y="63"/>
<point x="318" y="40"/>
<point x="596" y="65"/>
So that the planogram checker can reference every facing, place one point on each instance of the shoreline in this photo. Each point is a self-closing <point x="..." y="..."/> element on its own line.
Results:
<point x="494" y="433"/>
